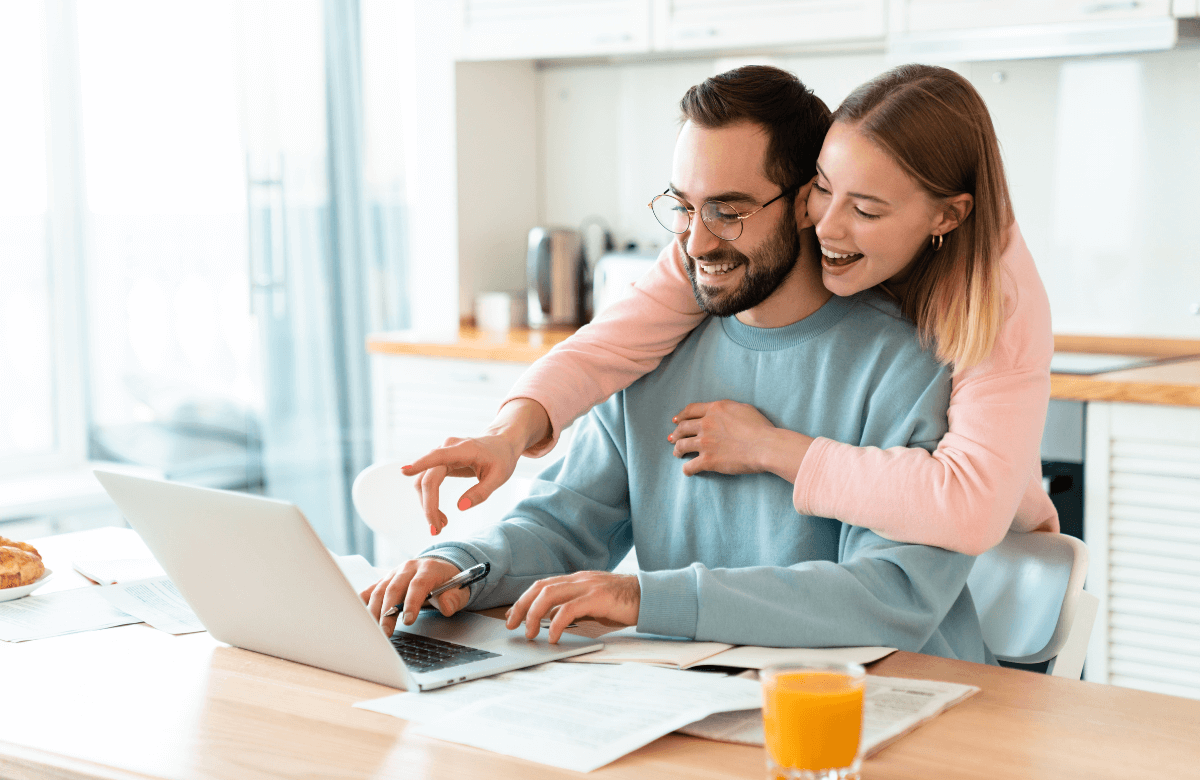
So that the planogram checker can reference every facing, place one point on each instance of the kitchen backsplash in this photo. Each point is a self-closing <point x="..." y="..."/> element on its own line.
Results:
<point x="1103" y="157"/>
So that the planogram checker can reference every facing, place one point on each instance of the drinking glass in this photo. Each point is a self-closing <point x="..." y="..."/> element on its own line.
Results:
<point x="812" y="718"/>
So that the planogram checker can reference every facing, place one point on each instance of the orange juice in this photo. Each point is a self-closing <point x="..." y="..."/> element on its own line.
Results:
<point x="812" y="717"/>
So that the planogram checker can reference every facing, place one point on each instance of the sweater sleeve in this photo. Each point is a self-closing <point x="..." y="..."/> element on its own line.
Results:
<point x="965" y="495"/>
<point x="879" y="593"/>
<point x="625" y="342"/>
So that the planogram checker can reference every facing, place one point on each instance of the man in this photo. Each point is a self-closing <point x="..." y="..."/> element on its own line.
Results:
<point x="727" y="558"/>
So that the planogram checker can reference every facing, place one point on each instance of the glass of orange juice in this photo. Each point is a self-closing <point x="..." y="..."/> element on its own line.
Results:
<point x="812" y="718"/>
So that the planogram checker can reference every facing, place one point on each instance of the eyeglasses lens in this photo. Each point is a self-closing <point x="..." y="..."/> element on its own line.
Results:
<point x="671" y="213"/>
<point x="721" y="219"/>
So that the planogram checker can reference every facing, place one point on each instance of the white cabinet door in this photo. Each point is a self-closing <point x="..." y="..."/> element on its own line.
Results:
<point x="1142" y="527"/>
<point x="720" y="24"/>
<point x="933" y="15"/>
<point x="533" y="29"/>
<point x="419" y="402"/>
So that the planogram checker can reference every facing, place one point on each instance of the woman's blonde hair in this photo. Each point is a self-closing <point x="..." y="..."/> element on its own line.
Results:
<point x="936" y="126"/>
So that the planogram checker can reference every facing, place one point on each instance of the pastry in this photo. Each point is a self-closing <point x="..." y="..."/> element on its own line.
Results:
<point x="20" y="564"/>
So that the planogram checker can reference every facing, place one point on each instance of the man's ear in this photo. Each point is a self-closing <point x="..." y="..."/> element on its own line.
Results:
<point x="955" y="209"/>
<point x="802" y="219"/>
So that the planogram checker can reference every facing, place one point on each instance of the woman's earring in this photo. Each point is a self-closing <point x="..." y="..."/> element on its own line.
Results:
<point x="936" y="242"/>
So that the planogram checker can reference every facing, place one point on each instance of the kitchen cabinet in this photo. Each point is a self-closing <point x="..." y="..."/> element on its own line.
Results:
<point x="544" y="29"/>
<point x="1142" y="526"/>
<point x="697" y="25"/>
<point x="931" y="15"/>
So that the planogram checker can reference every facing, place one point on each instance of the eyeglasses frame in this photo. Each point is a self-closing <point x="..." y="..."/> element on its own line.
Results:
<point x="691" y="212"/>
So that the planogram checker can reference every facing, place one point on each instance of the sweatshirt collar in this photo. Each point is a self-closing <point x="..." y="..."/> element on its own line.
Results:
<point x="769" y="339"/>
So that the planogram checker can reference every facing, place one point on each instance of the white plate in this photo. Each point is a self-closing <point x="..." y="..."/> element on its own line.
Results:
<point x="8" y="594"/>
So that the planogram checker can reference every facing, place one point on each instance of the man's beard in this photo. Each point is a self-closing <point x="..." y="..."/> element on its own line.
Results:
<point x="765" y="271"/>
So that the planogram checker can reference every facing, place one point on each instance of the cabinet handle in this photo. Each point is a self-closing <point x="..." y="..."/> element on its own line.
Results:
<point x="471" y="377"/>
<point x="709" y="32"/>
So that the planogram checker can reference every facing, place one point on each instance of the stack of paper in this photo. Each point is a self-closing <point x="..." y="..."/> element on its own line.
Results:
<point x="629" y="646"/>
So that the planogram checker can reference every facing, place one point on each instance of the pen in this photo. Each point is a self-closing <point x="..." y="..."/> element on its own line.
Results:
<point x="460" y="580"/>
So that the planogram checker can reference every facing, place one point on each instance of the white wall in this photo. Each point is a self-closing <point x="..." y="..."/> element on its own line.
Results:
<point x="1103" y="157"/>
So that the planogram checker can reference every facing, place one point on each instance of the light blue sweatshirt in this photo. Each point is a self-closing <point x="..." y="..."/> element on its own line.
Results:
<point x="727" y="558"/>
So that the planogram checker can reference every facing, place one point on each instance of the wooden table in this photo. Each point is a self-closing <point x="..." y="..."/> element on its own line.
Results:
<point x="132" y="702"/>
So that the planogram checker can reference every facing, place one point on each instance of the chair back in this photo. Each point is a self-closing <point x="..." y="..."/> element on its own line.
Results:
<point x="1028" y="591"/>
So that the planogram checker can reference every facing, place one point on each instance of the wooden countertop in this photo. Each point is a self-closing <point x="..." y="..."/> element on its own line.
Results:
<point x="1175" y="383"/>
<point x="522" y="345"/>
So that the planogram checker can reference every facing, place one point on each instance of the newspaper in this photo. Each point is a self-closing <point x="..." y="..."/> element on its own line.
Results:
<point x="892" y="707"/>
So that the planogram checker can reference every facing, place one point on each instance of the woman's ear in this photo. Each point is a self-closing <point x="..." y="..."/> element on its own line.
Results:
<point x="955" y="209"/>
<point x="803" y="220"/>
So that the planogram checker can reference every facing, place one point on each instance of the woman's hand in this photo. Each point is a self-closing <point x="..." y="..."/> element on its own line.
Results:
<point x="491" y="458"/>
<point x="735" y="438"/>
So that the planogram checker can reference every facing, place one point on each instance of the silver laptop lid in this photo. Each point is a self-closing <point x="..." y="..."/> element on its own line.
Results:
<point x="257" y="576"/>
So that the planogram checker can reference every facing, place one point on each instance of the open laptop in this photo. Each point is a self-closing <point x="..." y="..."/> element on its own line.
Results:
<point x="259" y="578"/>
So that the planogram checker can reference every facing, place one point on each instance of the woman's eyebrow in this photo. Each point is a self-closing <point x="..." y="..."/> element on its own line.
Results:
<point x="859" y="195"/>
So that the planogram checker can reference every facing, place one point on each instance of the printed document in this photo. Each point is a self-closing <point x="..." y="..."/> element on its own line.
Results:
<point x="113" y="571"/>
<point x="55" y="614"/>
<point x="892" y="707"/>
<point x="630" y="646"/>
<point x="574" y="717"/>
<point x="156" y="602"/>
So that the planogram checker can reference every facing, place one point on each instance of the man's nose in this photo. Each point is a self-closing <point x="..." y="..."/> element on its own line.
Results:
<point x="700" y="240"/>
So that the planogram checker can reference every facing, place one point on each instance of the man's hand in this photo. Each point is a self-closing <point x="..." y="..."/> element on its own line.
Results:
<point x="408" y="586"/>
<point x="596" y="594"/>
<point x="491" y="458"/>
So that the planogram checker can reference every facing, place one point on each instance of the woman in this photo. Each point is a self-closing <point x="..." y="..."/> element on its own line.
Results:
<point x="913" y="141"/>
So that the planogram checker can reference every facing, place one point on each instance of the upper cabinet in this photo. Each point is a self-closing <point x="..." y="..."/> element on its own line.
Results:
<point x="920" y="30"/>
<point x="967" y="30"/>
<point x="691" y="25"/>
<point x="545" y="29"/>
<point x="930" y="15"/>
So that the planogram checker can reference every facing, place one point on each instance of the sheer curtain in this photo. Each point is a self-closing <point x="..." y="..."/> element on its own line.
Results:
<point x="239" y="238"/>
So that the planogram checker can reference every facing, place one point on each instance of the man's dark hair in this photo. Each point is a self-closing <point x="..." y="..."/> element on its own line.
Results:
<point x="795" y="119"/>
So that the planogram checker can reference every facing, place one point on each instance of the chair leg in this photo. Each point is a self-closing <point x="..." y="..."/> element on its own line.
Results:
<point x="1069" y="661"/>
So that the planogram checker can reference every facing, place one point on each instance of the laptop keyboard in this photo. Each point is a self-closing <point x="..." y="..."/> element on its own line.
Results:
<point x="424" y="654"/>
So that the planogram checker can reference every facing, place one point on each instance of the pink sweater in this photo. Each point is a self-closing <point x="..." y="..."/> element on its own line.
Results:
<point x="964" y="496"/>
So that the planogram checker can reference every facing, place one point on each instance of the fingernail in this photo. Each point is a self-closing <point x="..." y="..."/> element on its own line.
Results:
<point x="670" y="437"/>
<point x="673" y="419"/>
<point x="464" y="503"/>
<point x="409" y="618"/>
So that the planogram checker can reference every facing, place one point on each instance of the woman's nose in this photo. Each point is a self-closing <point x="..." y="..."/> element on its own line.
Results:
<point x="830" y="226"/>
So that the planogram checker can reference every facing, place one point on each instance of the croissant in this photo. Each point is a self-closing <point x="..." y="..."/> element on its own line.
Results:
<point x="20" y="564"/>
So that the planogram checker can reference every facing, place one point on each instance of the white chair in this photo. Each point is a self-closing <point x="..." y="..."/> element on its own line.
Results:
<point x="1032" y="607"/>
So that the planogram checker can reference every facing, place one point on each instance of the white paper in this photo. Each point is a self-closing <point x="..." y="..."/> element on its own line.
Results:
<point x="55" y="614"/>
<point x="428" y="706"/>
<point x="113" y="571"/>
<point x="157" y="602"/>
<point x="585" y="718"/>
<point x="892" y="707"/>
<point x="358" y="571"/>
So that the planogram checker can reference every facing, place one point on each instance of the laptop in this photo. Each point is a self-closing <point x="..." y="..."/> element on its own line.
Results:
<point x="258" y="577"/>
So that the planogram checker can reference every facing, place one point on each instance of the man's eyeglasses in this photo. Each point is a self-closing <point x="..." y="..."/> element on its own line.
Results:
<point x="721" y="219"/>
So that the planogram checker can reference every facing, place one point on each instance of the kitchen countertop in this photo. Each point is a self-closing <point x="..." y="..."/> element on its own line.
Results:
<point x="1174" y="383"/>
